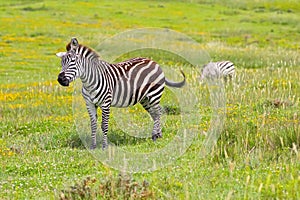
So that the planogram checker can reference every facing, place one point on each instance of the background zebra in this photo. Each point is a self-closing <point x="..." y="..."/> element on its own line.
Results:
<point x="219" y="69"/>
<point x="119" y="85"/>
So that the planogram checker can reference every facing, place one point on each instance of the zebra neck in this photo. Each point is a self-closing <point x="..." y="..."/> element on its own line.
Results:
<point x="93" y="75"/>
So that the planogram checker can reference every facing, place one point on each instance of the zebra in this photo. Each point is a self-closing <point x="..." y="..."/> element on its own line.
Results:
<point x="219" y="69"/>
<point x="123" y="84"/>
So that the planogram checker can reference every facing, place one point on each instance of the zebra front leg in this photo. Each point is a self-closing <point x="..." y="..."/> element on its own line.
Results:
<point x="92" y="110"/>
<point x="104" y="126"/>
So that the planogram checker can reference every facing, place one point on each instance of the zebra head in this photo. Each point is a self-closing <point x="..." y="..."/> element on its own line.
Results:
<point x="210" y="70"/>
<point x="69" y="70"/>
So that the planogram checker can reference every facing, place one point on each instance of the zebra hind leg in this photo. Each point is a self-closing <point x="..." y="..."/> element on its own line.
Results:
<point x="155" y="113"/>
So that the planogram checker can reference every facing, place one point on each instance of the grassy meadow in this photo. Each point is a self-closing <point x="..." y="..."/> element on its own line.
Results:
<point x="257" y="154"/>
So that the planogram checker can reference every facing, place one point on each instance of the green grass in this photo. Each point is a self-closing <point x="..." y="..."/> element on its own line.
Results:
<point x="257" y="154"/>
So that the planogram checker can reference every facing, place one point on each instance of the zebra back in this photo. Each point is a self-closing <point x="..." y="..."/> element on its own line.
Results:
<point x="226" y="68"/>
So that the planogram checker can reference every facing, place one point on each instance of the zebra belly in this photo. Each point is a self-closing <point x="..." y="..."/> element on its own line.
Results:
<point x="125" y="96"/>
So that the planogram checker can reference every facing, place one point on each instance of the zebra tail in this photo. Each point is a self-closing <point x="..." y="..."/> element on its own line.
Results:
<point x="176" y="84"/>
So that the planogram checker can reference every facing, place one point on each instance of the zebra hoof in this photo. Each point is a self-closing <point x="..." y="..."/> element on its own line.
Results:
<point x="104" y="147"/>
<point x="159" y="135"/>
<point x="93" y="147"/>
<point x="156" y="136"/>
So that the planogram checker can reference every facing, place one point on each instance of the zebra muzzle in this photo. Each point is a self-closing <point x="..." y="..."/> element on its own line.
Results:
<point x="62" y="79"/>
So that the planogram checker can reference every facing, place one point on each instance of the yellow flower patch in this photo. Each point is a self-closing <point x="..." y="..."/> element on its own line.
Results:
<point x="6" y="152"/>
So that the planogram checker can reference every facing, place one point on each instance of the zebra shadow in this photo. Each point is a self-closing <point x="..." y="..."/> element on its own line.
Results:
<point x="116" y="137"/>
<point x="120" y="138"/>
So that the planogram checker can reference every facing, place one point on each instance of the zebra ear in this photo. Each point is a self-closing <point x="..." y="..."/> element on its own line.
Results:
<point x="74" y="43"/>
<point x="60" y="54"/>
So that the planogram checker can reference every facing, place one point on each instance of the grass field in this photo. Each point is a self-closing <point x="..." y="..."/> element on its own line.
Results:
<point x="257" y="154"/>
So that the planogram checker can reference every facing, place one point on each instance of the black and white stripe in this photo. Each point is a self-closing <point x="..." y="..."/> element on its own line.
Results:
<point x="138" y="80"/>
<point x="219" y="69"/>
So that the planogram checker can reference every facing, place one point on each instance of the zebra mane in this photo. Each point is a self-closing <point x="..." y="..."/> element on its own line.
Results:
<point x="83" y="48"/>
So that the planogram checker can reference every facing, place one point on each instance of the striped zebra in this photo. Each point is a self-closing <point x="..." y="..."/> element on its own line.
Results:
<point x="137" y="80"/>
<point x="219" y="69"/>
